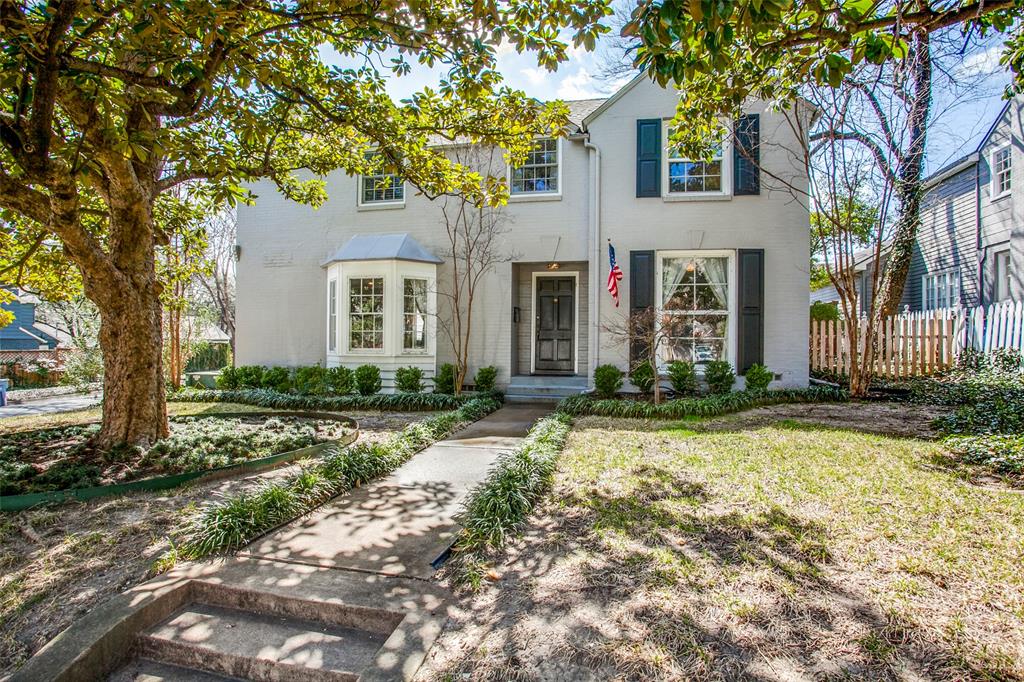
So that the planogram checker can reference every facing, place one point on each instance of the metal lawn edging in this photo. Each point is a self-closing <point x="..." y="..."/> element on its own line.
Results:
<point x="13" y="503"/>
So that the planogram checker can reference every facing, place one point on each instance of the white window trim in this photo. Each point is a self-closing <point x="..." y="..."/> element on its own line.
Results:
<point x="348" y="316"/>
<point x="332" y="283"/>
<point x="576" y="318"/>
<point x="1002" y="273"/>
<point x="724" y="193"/>
<point x="934" y="275"/>
<point x="415" y="352"/>
<point x="539" y="196"/>
<point x="730" y="342"/>
<point x="994" y="186"/>
<point x="378" y="205"/>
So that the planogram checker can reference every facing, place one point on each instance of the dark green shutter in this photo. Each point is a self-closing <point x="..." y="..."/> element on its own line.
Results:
<point x="648" y="157"/>
<point x="641" y="294"/>
<point x="750" y="327"/>
<point x="746" y="155"/>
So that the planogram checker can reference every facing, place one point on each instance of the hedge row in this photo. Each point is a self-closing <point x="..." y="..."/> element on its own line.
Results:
<point x="402" y="402"/>
<point x="241" y="518"/>
<point x="710" y="406"/>
<point x="502" y="502"/>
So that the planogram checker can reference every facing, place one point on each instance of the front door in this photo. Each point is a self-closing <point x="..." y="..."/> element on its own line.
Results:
<point x="555" y="351"/>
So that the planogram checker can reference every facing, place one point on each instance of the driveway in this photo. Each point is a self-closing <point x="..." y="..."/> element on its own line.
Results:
<point x="61" y="403"/>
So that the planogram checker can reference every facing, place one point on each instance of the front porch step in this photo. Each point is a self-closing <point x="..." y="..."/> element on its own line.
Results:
<point x="544" y="389"/>
<point x="146" y="670"/>
<point x="258" y="646"/>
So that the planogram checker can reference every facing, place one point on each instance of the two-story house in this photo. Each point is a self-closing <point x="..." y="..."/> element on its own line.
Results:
<point x="970" y="242"/>
<point x="358" y="280"/>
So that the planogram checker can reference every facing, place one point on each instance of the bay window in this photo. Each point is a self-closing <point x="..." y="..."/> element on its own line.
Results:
<point x="366" y="313"/>
<point x="414" y="315"/>
<point x="694" y="297"/>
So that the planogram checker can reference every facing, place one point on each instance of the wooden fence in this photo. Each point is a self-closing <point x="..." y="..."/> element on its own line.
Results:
<point x="918" y="344"/>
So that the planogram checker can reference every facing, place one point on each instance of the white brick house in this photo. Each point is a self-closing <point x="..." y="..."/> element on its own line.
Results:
<point x="348" y="283"/>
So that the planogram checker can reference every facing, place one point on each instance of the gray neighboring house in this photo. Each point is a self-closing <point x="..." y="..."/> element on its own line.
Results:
<point x="970" y="245"/>
<point x="358" y="280"/>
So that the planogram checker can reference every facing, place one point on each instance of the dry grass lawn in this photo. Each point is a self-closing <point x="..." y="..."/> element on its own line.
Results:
<point x="786" y="543"/>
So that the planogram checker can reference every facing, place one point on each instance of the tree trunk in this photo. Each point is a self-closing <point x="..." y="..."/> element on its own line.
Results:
<point x="910" y="181"/>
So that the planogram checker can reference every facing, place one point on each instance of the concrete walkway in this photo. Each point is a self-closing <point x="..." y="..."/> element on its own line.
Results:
<point x="398" y="526"/>
<point x="60" y="403"/>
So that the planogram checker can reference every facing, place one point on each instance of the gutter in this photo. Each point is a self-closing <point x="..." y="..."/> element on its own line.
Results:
<point x="595" y="260"/>
<point x="977" y="234"/>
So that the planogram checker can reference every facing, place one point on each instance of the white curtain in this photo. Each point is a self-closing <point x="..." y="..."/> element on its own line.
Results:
<point x="716" y="270"/>
<point x="673" y="272"/>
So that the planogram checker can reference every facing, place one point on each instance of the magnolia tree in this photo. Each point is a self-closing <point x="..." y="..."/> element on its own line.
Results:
<point x="106" y="107"/>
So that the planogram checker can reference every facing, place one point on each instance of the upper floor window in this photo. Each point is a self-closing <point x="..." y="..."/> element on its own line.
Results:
<point x="366" y="313"/>
<point x="539" y="175"/>
<point x="414" y="314"/>
<point x="1002" y="167"/>
<point x="941" y="290"/>
<point x="381" y="188"/>
<point x="1003" y="275"/>
<point x="685" y="176"/>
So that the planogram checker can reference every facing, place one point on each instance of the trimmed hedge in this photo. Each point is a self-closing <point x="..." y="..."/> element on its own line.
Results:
<point x="500" y="505"/>
<point x="396" y="402"/>
<point x="241" y="518"/>
<point x="711" y="406"/>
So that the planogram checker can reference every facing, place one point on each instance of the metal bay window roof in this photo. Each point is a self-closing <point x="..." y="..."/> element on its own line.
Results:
<point x="364" y="247"/>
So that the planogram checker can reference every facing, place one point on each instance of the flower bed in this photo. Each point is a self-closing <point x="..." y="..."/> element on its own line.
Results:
<point x="404" y="402"/>
<point x="709" y="406"/>
<point x="63" y="458"/>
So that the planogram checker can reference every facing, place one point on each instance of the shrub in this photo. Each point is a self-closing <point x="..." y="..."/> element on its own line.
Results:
<point x="311" y="380"/>
<point x="824" y="311"/>
<point x="683" y="377"/>
<point x="719" y="375"/>
<point x="444" y="380"/>
<point x="404" y="402"/>
<point x="208" y="356"/>
<point x="607" y="380"/>
<point x="250" y="376"/>
<point x="340" y="381"/>
<point x="758" y="377"/>
<point x="409" y="379"/>
<point x="227" y="380"/>
<point x="367" y="379"/>
<point x="277" y="379"/>
<point x="83" y="366"/>
<point x="642" y="376"/>
<point x="485" y="378"/>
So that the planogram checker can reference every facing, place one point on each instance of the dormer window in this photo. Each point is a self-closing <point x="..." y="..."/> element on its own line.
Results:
<point x="540" y="173"/>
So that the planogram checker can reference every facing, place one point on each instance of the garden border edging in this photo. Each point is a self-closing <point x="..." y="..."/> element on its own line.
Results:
<point x="14" y="503"/>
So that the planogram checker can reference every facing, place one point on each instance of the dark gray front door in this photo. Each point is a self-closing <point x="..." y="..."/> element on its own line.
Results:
<point x="556" y="325"/>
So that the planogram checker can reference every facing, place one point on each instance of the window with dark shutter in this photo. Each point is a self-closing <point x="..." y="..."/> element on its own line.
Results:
<point x="641" y="294"/>
<point x="750" y="325"/>
<point x="746" y="155"/>
<point x="648" y="157"/>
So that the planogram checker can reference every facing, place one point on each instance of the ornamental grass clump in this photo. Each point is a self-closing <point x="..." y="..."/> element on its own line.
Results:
<point x="239" y="519"/>
<point x="500" y="505"/>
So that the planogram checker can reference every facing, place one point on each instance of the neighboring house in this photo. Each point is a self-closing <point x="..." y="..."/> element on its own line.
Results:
<point x="863" y="268"/>
<point x="970" y="245"/>
<point x="23" y="333"/>
<point x="358" y="280"/>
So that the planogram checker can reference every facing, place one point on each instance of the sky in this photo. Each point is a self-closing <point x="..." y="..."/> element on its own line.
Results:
<point x="958" y="123"/>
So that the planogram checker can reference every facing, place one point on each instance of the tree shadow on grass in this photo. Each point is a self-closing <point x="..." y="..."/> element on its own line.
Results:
<point x="658" y="578"/>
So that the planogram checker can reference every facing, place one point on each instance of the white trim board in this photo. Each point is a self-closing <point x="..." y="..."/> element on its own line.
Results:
<point x="575" y="274"/>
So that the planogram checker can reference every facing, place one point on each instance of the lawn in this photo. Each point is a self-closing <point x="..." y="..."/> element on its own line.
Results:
<point x="57" y="562"/>
<point x="792" y="542"/>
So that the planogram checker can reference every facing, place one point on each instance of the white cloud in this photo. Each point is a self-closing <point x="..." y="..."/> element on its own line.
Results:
<point x="535" y="75"/>
<point x="580" y="85"/>
<point x="981" y="63"/>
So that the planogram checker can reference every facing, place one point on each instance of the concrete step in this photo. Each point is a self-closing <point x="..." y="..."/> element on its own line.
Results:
<point x="146" y="670"/>
<point x="549" y="380"/>
<point x="258" y="646"/>
<point x="532" y="399"/>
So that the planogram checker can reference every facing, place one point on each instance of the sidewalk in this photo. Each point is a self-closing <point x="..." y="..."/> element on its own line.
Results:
<point x="61" y="403"/>
<point x="399" y="525"/>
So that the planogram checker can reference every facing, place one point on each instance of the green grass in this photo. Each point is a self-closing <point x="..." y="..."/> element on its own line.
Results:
<point x="771" y="523"/>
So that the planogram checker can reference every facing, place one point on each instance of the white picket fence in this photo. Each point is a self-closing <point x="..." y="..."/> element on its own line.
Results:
<point x="917" y="344"/>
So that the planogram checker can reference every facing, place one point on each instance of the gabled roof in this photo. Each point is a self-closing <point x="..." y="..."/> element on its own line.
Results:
<point x="967" y="160"/>
<point x="580" y="109"/>
<point x="398" y="246"/>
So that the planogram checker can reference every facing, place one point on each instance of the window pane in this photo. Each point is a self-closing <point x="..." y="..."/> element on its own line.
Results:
<point x="366" y="313"/>
<point x="540" y="172"/>
<point x="414" y="314"/>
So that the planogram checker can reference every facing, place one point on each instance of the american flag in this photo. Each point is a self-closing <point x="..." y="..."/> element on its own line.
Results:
<point x="614" y="274"/>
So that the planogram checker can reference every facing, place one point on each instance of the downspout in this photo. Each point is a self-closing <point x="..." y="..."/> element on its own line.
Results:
<point x="977" y="233"/>
<point x="595" y="260"/>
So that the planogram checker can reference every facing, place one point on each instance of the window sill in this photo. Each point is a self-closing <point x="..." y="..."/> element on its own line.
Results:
<point x="670" y="198"/>
<point x="518" y="198"/>
<point x="999" y="197"/>
<point x="382" y="206"/>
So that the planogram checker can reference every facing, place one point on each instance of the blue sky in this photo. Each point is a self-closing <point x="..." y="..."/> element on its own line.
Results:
<point x="957" y="126"/>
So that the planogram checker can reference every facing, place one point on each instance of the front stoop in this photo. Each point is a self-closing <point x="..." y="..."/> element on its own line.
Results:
<point x="544" y="388"/>
<point x="253" y="620"/>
